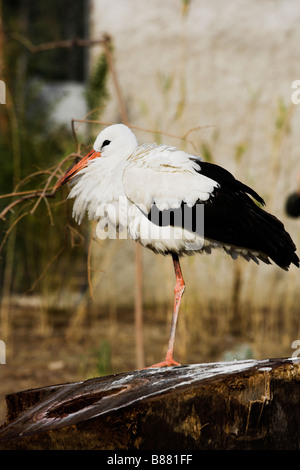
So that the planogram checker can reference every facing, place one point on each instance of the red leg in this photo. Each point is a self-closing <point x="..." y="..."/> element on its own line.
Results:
<point x="179" y="290"/>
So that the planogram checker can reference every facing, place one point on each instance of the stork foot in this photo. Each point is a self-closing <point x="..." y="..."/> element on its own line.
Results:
<point x="164" y="364"/>
<point x="168" y="362"/>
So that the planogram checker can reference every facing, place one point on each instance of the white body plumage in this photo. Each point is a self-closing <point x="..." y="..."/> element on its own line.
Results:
<point x="121" y="190"/>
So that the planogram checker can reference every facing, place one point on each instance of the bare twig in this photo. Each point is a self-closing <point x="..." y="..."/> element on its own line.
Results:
<point x="44" y="191"/>
<point x="27" y="197"/>
<point x="74" y="232"/>
<point x="10" y="229"/>
<point x="33" y="194"/>
<point x="111" y="65"/>
<point x="150" y="131"/>
<point x="49" y="210"/>
<point x="67" y="44"/>
<point x="89" y="269"/>
<point x="82" y="121"/>
<point x="184" y="137"/>
<point x="18" y="193"/>
<point x="48" y="265"/>
<point x="38" y="193"/>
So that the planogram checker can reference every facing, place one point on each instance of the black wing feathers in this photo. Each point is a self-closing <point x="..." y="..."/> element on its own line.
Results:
<point x="234" y="218"/>
<point x="231" y="217"/>
<point x="225" y="178"/>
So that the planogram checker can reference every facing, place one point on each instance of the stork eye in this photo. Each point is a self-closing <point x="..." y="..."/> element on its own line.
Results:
<point x="106" y="142"/>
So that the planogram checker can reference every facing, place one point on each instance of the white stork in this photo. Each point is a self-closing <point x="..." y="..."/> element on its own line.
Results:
<point x="159" y="194"/>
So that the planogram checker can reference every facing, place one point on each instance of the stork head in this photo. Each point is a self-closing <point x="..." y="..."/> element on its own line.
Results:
<point x="116" y="141"/>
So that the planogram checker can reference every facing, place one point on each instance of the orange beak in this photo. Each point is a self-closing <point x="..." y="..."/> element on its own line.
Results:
<point x="76" y="168"/>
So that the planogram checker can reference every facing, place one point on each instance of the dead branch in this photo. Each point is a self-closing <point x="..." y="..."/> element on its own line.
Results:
<point x="10" y="229"/>
<point x="150" y="131"/>
<point x="30" y="196"/>
<point x="66" y="44"/>
<point x="38" y="193"/>
<point x="89" y="269"/>
<point x="48" y="265"/>
<point x="111" y="65"/>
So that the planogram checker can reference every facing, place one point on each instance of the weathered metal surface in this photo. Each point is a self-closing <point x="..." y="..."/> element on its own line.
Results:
<point x="231" y="405"/>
